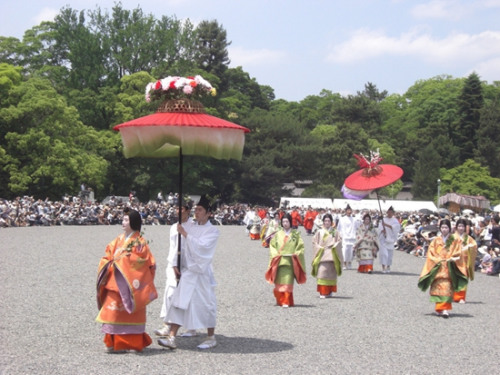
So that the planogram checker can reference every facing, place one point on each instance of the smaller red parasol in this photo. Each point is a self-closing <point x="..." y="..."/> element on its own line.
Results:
<point x="372" y="175"/>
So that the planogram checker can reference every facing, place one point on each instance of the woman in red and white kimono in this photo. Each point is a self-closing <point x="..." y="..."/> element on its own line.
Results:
<point x="125" y="286"/>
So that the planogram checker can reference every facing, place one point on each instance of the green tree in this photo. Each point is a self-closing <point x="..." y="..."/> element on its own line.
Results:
<point x="335" y="147"/>
<point x="47" y="151"/>
<point x="470" y="103"/>
<point x="212" y="47"/>
<point x="488" y="137"/>
<point x="10" y="76"/>
<point x="428" y="109"/>
<point x="275" y="153"/>
<point x="426" y="173"/>
<point x="470" y="178"/>
<point x="240" y="83"/>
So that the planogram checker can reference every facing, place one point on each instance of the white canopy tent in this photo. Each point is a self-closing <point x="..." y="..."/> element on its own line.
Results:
<point x="372" y="204"/>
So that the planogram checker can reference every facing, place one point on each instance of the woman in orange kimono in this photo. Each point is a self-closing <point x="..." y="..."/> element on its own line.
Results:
<point x="469" y="253"/>
<point x="125" y="285"/>
<point x="444" y="270"/>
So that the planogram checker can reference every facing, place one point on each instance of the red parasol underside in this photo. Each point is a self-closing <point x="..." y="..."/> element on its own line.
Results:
<point x="182" y="119"/>
<point x="361" y="180"/>
<point x="167" y="134"/>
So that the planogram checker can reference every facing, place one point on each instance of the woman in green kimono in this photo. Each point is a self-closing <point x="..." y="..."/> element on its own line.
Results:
<point x="287" y="262"/>
<point x="327" y="262"/>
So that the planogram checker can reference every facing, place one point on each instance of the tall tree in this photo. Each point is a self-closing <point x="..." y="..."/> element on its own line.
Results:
<point x="470" y="103"/>
<point x="426" y="173"/>
<point x="79" y="50"/>
<point x="274" y="154"/>
<point x="335" y="146"/>
<point x="212" y="47"/>
<point x="488" y="137"/>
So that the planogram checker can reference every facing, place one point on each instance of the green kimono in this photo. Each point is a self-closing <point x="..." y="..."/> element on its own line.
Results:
<point x="287" y="261"/>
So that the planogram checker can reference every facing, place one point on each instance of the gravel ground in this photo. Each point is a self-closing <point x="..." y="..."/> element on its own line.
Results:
<point x="377" y="324"/>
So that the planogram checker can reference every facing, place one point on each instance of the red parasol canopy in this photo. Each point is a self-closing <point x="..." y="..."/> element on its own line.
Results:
<point x="166" y="134"/>
<point x="374" y="178"/>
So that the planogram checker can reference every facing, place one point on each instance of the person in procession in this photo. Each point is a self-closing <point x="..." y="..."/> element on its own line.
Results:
<point x="194" y="305"/>
<point x="172" y="270"/>
<point x="366" y="245"/>
<point x="254" y="225"/>
<point x="125" y="286"/>
<point x="286" y="262"/>
<point x="272" y="228"/>
<point x="318" y="221"/>
<point x="346" y="232"/>
<point x="468" y="254"/>
<point x="444" y="271"/>
<point x="388" y="228"/>
<point x="309" y="217"/>
<point x="296" y="218"/>
<point x="327" y="262"/>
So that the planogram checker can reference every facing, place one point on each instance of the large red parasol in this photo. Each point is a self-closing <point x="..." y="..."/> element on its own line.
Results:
<point x="181" y="127"/>
<point x="372" y="176"/>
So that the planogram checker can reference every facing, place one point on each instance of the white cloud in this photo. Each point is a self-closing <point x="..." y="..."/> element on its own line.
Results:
<point x="46" y="14"/>
<point x="452" y="9"/>
<point x="447" y="9"/>
<point x="240" y="56"/>
<point x="456" y="48"/>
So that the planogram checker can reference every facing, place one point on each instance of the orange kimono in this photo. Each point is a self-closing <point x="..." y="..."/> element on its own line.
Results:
<point x="469" y="253"/>
<point x="125" y="285"/>
<point x="309" y="217"/>
<point x="444" y="271"/>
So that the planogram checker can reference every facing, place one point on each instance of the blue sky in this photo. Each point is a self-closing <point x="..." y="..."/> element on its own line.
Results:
<point x="300" y="47"/>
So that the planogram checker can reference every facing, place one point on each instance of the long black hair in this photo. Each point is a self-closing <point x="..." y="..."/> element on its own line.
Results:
<point x="134" y="218"/>
<point x="286" y="216"/>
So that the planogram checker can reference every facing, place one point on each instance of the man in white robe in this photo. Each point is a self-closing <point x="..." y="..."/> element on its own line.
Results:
<point x="172" y="271"/>
<point x="346" y="232"/>
<point x="194" y="305"/>
<point x="388" y="229"/>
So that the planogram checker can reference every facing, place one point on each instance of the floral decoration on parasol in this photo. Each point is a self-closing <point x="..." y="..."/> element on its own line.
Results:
<point x="181" y="126"/>
<point x="173" y="87"/>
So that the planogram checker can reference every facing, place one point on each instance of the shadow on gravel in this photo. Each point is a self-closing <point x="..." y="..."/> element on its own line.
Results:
<point x="225" y="345"/>
<point x="396" y="273"/>
<point x="474" y="303"/>
<point x="452" y="315"/>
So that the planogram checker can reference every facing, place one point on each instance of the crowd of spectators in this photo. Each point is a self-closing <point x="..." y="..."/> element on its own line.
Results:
<point x="76" y="210"/>
<point x="418" y="229"/>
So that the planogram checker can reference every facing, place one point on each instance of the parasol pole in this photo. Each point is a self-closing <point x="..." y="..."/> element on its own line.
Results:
<point x="179" y="202"/>
<point x="381" y="213"/>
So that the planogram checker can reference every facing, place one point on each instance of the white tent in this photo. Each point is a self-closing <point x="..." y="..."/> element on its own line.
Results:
<point x="306" y="202"/>
<point x="496" y="208"/>
<point x="372" y="204"/>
